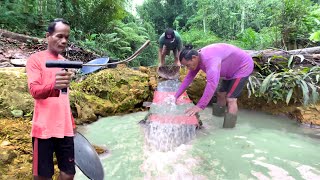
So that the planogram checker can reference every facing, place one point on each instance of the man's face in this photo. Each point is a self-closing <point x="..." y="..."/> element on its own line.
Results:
<point x="169" y="36"/>
<point x="191" y="64"/>
<point x="58" y="40"/>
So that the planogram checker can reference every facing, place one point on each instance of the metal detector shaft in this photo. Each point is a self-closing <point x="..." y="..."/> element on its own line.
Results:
<point x="65" y="65"/>
<point x="79" y="64"/>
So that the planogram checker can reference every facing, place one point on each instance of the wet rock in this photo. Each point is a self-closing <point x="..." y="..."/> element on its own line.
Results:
<point x="308" y="114"/>
<point x="5" y="64"/>
<point x="19" y="62"/>
<point x="100" y="150"/>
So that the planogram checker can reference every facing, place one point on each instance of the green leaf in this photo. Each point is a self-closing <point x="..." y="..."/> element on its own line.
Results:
<point x="315" y="37"/>
<point x="249" y="91"/>
<point x="289" y="96"/>
<point x="305" y="91"/>
<point x="290" y="61"/>
<point x="266" y="83"/>
<point x="314" y="93"/>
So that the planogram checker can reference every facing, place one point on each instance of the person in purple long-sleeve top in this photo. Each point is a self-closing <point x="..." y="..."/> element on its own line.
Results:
<point x="225" y="61"/>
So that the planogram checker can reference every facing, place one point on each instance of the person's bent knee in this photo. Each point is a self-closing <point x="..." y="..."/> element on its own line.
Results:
<point x="232" y="100"/>
<point x="232" y="105"/>
<point x="221" y="98"/>
<point x="221" y="94"/>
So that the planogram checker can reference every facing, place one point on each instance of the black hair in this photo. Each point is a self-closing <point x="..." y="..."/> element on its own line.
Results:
<point x="187" y="52"/>
<point x="52" y="25"/>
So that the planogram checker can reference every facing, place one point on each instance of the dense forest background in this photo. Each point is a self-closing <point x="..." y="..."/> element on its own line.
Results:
<point x="109" y="28"/>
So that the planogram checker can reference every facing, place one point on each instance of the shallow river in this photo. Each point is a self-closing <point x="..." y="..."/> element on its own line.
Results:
<point x="260" y="147"/>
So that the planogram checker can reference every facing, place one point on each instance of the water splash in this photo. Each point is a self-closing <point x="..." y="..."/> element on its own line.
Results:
<point x="170" y="165"/>
<point x="163" y="132"/>
<point x="166" y="137"/>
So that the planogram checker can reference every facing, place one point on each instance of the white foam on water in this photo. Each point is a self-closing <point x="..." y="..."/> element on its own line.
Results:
<point x="166" y="136"/>
<point x="260" y="175"/>
<point x="170" y="100"/>
<point x="170" y="164"/>
<point x="248" y="156"/>
<point x="308" y="172"/>
<point x="296" y="146"/>
<point x="167" y="143"/>
<point x="274" y="171"/>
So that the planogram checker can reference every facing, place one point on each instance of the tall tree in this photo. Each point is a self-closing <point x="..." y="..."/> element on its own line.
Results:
<point x="162" y="14"/>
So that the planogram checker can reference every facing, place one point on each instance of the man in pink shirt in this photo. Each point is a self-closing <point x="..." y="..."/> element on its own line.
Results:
<point x="224" y="61"/>
<point x="52" y="123"/>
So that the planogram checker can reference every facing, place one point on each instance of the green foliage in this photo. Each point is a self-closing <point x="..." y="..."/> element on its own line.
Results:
<point x="251" y="24"/>
<point x="32" y="17"/>
<point x="287" y="86"/>
<point x="105" y="27"/>
<point x="290" y="19"/>
<point x="21" y="16"/>
<point x="163" y="14"/>
<point x="121" y="43"/>
<point x="250" y="39"/>
<point x="312" y="23"/>
<point x="315" y="36"/>
<point x="198" y="38"/>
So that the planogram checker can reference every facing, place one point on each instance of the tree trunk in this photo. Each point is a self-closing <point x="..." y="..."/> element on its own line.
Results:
<point x="307" y="56"/>
<point x="19" y="37"/>
<point x="243" y="17"/>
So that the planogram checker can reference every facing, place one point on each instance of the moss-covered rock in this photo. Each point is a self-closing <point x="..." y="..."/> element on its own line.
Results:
<point x="15" y="149"/>
<point x="107" y="92"/>
<point x="14" y="95"/>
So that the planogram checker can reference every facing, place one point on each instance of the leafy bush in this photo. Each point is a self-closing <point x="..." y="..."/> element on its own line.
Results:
<point x="121" y="43"/>
<point x="250" y="39"/>
<point x="312" y="22"/>
<point x="287" y="86"/>
<point x="198" y="38"/>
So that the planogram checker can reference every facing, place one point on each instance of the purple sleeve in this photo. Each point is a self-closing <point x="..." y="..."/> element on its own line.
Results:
<point x="213" y="75"/>
<point x="186" y="82"/>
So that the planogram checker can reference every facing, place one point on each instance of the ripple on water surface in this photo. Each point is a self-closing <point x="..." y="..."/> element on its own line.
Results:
<point x="260" y="147"/>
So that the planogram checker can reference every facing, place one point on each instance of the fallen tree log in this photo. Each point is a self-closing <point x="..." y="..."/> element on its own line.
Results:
<point x="73" y="52"/>
<point x="278" y="59"/>
<point x="276" y="52"/>
<point x="19" y="37"/>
